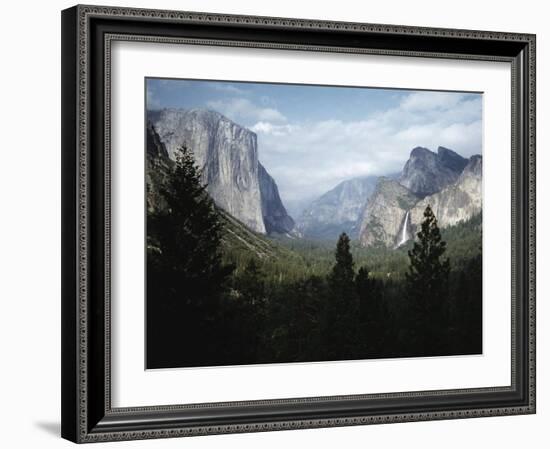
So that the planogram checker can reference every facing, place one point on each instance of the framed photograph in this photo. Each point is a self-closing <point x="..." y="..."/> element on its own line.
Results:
<point x="275" y="224"/>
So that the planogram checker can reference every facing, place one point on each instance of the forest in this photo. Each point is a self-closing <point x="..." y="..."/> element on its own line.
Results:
<point x="219" y="294"/>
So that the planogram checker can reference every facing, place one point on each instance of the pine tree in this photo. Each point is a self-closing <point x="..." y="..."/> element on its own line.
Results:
<point x="343" y="273"/>
<point x="427" y="287"/>
<point x="342" y="320"/>
<point x="188" y="234"/>
<point x="185" y="273"/>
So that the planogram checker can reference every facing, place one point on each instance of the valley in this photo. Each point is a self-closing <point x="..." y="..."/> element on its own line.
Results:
<point x="248" y="283"/>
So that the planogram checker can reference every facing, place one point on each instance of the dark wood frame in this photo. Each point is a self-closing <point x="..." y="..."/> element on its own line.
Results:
<point x="87" y="32"/>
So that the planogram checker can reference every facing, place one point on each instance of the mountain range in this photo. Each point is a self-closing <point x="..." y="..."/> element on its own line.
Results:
<point x="375" y="210"/>
<point x="386" y="210"/>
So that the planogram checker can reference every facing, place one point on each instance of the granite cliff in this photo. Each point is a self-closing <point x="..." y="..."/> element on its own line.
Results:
<point x="449" y="183"/>
<point x="385" y="213"/>
<point x="456" y="202"/>
<point x="427" y="172"/>
<point x="227" y="155"/>
<point x="159" y="165"/>
<point x="275" y="216"/>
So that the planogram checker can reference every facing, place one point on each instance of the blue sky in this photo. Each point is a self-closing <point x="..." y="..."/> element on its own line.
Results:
<point x="310" y="138"/>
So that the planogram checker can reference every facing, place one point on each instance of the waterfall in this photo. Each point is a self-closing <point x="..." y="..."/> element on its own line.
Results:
<point x="404" y="236"/>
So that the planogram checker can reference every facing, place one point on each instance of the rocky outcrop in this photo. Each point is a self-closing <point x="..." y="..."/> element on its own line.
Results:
<point x="339" y="210"/>
<point x="394" y="212"/>
<point x="457" y="202"/>
<point x="158" y="168"/>
<point x="451" y="160"/>
<point x="276" y="219"/>
<point x="427" y="172"/>
<point x="227" y="155"/>
<point x="385" y="214"/>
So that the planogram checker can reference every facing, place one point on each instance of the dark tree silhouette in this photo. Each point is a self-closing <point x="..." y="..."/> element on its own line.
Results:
<point x="468" y="308"/>
<point x="243" y="316"/>
<point x="342" y="320"/>
<point x="186" y="275"/>
<point x="427" y="288"/>
<point x="373" y="314"/>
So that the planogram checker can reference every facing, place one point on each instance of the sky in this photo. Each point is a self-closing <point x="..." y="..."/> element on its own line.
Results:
<point x="310" y="138"/>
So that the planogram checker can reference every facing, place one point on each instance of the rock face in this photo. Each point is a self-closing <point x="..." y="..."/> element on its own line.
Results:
<point x="337" y="211"/>
<point x="456" y="202"/>
<point x="158" y="167"/>
<point x="427" y="172"/>
<point x="385" y="214"/>
<point x="227" y="155"/>
<point x="394" y="212"/>
<point x="274" y="213"/>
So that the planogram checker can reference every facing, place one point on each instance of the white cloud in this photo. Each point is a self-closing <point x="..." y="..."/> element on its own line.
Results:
<point x="275" y="130"/>
<point x="242" y="110"/>
<point x="424" y="101"/>
<point x="228" y="88"/>
<point x="309" y="158"/>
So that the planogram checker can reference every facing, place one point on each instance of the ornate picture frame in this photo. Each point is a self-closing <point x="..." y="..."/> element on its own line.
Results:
<point x="88" y="33"/>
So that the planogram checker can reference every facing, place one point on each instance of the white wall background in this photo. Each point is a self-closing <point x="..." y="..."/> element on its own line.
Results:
<point x="30" y="223"/>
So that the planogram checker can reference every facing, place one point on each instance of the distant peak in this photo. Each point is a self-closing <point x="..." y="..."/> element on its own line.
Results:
<point x="421" y="151"/>
<point x="451" y="159"/>
<point x="442" y="151"/>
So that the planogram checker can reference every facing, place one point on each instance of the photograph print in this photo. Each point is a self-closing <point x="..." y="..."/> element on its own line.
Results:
<point x="308" y="223"/>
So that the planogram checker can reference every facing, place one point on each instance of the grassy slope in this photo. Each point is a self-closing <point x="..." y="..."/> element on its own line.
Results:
<point x="241" y="244"/>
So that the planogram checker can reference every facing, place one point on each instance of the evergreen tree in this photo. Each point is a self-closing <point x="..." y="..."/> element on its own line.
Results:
<point x="187" y="234"/>
<point x="342" y="271"/>
<point x="341" y="335"/>
<point x="427" y="288"/>
<point x="185" y="273"/>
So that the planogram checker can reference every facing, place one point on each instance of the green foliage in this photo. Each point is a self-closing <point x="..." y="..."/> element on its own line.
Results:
<point x="463" y="241"/>
<point x="186" y="277"/>
<point x="307" y="257"/>
<point x="184" y="239"/>
<point x="342" y="272"/>
<point x="341" y="320"/>
<point x="318" y="307"/>
<point x="427" y="285"/>
<point x="428" y="272"/>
